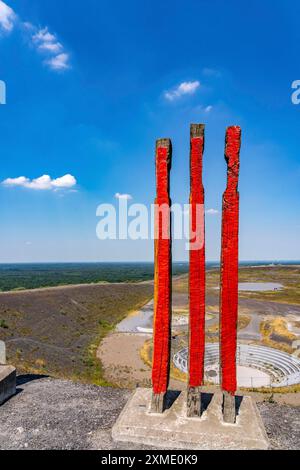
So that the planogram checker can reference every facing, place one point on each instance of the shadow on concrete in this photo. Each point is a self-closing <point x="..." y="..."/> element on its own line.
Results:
<point x="170" y="398"/>
<point x="238" y="402"/>
<point x="24" y="379"/>
<point x="206" y="398"/>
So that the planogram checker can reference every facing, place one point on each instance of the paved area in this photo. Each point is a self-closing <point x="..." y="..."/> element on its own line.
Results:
<point x="57" y="414"/>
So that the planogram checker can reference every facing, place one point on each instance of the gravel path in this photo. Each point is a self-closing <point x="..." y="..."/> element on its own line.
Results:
<point x="282" y="425"/>
<point x="57" y="414"/>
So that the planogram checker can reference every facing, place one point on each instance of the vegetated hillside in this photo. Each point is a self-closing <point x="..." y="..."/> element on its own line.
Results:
<point x="32" y="276"/>
<point x="56" y="331"/>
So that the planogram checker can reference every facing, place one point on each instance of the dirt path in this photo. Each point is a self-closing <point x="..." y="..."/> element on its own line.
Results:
<point x="252" y="331"/>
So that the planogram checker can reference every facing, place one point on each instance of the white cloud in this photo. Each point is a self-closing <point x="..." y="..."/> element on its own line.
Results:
<point x="43" y="36"/>
<point x="47" y="43"/>
<point x="212" y="212"/>
<point x="123" y="196"/>
<point x="7" y="17"/>
<point x="59" y="62"/>
<point x="185" y="88"/>
<point x="44" y="41"/>
<point x="20" y="181"/>
<point x="67" y="181"/>
<point x="51" y="47"/>
<point x="42" y="183"/>
<point x="208" y="109"/>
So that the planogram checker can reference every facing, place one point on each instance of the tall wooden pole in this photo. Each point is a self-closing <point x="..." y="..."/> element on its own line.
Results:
<point x="162" y="277"/>
<point x="197" y="273"/>
<point x="229" y="275"/>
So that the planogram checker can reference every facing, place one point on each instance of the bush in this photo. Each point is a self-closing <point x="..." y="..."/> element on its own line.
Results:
<point x="3" y="325"/>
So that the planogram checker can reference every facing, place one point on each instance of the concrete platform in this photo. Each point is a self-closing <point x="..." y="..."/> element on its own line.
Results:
<point x="173" y="430"/>
<point x="7" y="383"/>
<point x="2" y="353"/>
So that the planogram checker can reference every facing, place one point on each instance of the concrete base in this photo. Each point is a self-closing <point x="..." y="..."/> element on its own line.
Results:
<point x="7" y="383"/>
<point x="2" y="353"/>
<point x="173" y="430"/>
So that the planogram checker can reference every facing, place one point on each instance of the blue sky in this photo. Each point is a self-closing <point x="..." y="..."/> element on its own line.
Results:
<point x="91" y="86"/>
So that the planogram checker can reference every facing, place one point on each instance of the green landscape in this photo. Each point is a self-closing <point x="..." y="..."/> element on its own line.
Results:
<point x="32" y="276"/>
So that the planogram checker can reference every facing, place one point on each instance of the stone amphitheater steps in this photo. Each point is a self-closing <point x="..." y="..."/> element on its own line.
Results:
<point x="283" y="368"/>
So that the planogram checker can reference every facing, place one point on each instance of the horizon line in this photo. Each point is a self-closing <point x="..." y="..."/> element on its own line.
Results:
<point x="147" y="261"/>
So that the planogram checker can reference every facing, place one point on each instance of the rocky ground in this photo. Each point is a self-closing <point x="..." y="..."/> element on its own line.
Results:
<point x="55" y="414"/>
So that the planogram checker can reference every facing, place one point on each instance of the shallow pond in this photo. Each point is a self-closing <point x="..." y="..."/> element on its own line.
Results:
<point x="259" y="286"/>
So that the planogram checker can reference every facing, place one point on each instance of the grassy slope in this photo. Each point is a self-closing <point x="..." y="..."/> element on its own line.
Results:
<point x="57" y="331"/>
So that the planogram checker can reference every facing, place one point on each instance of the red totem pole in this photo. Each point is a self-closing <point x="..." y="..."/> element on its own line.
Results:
<point x="197" y="273"/>
<point x="229" y="275"/>
<point x="162" y="277"/>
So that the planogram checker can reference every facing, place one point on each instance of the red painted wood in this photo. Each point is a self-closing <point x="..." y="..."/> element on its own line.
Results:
<point x="229" y="263"/>
<point x="163" y="272"/>
<point x="197" y="261"/>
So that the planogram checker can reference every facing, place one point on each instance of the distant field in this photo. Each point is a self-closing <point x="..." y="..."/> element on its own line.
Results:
<point x="287" y="275"/>
<point x="33" y="276"/>
<point x="57" y="331"/>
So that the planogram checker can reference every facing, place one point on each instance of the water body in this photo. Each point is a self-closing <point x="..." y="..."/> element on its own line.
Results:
<point x="142" y="319"/>
<point x="259" y="286"/>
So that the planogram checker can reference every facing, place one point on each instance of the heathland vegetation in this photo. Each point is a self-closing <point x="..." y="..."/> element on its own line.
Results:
<point x="19" y="277"/>
<point x="57" y="331"/>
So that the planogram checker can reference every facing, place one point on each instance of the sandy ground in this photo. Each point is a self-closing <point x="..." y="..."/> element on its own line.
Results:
<point x="123" y="366"/>
<point x="119" y="354"/>
<point x="56" y="414"/>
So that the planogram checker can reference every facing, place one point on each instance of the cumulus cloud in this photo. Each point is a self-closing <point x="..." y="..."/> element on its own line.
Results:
<point x="123" y="196"/>
<point x="42" y="183"/>
<point x="44" y="41"/>
<point x="208" y="109"/>
<point x="212" y="212"/>
<point x="59" y="62"/>
<point x="7" y="17"/>
<point x="185" y="88"/>
<point x="51" y="47"/>
<point x="47" y="43"/>
<point x="43" y="36"/>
